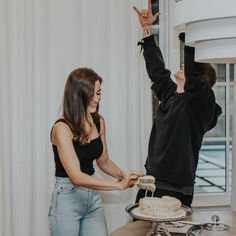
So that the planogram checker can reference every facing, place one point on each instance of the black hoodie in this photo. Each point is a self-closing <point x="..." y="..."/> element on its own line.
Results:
<point x="181" y="120"/>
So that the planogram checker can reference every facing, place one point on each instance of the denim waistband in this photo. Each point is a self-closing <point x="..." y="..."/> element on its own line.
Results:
<point x="63" y="180"/>
<point x="66" y="180"/>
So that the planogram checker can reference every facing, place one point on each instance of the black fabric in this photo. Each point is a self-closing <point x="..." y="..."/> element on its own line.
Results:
<point x="86" y="154"/>
<point x="182" y="37"/>
<point x="181" y="119"/>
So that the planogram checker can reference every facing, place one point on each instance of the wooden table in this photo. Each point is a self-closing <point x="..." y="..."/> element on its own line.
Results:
<point x="140" y="228"/>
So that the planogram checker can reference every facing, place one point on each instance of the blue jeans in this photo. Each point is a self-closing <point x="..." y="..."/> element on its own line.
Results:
<point x="76" y="211"/>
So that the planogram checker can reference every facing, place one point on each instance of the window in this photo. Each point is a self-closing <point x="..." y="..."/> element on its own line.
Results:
<point x="215" y="158"/>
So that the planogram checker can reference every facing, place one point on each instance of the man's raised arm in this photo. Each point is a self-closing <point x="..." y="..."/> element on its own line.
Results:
<point x="194" y="71"/>
<point x="159" y="75"/>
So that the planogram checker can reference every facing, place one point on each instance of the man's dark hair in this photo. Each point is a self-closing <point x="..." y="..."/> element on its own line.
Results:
<point x="210" y="74"/>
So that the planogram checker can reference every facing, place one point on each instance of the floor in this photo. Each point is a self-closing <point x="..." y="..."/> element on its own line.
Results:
<point x="211" y="173"/>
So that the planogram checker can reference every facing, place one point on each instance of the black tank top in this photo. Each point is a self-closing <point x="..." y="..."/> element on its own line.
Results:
<point x="86" y="154"/>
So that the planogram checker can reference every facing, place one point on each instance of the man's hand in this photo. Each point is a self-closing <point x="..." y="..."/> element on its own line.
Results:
<point x="146" y="18"/>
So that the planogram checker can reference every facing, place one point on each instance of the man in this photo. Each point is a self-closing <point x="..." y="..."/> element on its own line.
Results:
<point x="187" y="110"/>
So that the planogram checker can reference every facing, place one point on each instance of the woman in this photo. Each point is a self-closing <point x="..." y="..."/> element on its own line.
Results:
<point x="79" y="138"/>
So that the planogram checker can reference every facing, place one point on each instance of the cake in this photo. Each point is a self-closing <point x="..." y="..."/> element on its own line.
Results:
<point x="160" y="207"/>
<point x="147" y="179"/>
<point x="147" y="186"/>
<point x="147" y="183"/>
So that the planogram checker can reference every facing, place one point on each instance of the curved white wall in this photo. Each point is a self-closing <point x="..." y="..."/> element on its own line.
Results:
<point x="210" y="26"/>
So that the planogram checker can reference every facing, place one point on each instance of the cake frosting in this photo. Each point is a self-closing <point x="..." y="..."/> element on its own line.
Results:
<point x="147" y="186"/>
<point x="160" y="207"/>
<point x="147" y="179"/>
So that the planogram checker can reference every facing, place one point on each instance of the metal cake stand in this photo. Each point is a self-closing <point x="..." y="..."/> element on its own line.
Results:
<point x="158" y="224"/>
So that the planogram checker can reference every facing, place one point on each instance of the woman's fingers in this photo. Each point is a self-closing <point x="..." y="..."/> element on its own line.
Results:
<point x="131" y="178"/>
<point x="138" y="173"/>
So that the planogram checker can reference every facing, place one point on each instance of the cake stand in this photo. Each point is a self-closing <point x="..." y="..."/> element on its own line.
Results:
<point x="158" y="224"/>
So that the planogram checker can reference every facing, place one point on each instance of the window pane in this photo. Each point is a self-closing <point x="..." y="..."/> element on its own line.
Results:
<point x="155" y="9"/>
<point x="231" y="100"/>
<point x="210" y="175"/>
<point x="230" y="165"/>
<point x="219" y="129"/>
<point x="231" y="71"/>
<point x="156" y="36"/>
<point x="220" y="71"/>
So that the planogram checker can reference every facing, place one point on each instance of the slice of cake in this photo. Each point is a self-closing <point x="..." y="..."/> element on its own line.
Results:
<point x="147" y="186"/>
<point x="147" y="179"/>
<point x="147" y="183"/>
<point x="160" y="207"/>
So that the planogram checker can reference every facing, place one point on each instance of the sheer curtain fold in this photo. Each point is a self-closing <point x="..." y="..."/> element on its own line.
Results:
<point x="41" y="42"/>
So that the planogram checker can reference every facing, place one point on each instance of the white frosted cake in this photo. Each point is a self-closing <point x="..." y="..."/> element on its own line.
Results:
<point x="160" y="207"/>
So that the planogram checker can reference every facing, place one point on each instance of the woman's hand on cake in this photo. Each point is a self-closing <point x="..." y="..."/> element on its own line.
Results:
<point x="130" y="179"/>
<point x="137" y="173"/>
<point x="121" y="175"/>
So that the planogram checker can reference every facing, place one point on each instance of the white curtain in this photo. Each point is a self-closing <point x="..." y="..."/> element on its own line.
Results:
<point x="41" y="42"/>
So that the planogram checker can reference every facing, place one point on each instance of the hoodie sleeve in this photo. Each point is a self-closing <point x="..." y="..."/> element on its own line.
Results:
<point x="194" y="71"/>
<point x="159" y="75"/>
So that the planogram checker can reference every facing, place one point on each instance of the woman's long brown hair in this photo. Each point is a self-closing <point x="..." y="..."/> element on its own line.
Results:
<point x="79" y="90"/>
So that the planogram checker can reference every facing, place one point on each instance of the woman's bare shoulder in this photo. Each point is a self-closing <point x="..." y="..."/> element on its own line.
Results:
<point x="61" y="131"/>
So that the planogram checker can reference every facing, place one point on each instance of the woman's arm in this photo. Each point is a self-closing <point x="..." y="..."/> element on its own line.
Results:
<point x="62" y="138"/>
<point x="104" y="162"/>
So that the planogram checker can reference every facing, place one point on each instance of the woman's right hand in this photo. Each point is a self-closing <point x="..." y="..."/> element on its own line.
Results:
<point x="130" y="179"/>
